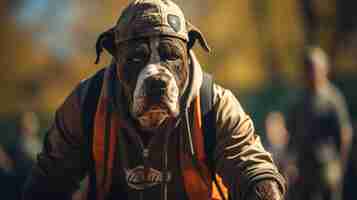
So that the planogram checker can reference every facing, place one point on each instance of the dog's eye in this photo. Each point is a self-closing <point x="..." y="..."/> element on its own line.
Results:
<point x="169" y="52"/>
<point x="138" y="55"/>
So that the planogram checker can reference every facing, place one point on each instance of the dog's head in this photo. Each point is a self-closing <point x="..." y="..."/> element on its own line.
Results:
<point x="154" y="72"/>
<point x="150" y="44"/>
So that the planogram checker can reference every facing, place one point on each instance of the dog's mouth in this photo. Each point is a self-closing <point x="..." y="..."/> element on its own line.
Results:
<point x="152" y="115"/>
<point x="153" y="118"/>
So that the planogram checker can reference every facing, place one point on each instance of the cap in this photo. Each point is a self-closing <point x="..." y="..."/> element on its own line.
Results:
<point x="148" y="18"/>
<point x="145" y="18"/>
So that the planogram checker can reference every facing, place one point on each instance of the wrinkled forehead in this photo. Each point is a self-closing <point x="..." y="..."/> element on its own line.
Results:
<point x="154" y="43"/>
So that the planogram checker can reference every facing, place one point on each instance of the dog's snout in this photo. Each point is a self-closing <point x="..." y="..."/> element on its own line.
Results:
<point x="155" y="86"/>
<point x="156" y="83"/>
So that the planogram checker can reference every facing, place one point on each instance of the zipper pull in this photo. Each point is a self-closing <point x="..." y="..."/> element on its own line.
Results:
<point x="146" y="153"/>
<point x="146" y="165"/>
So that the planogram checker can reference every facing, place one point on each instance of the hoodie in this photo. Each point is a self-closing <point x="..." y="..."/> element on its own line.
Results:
<point x="239" y="155"/>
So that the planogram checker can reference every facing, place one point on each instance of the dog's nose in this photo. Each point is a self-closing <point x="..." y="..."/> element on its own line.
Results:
<point x="155" y="86"/>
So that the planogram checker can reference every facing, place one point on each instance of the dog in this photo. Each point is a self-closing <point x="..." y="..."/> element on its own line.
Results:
<point x="152" y="67"/>
<point x="154" y="72"/>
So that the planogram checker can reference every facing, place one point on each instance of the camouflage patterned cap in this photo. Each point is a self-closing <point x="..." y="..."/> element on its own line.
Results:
<point x="147" y="18"/>
<point x="144" y="18"/>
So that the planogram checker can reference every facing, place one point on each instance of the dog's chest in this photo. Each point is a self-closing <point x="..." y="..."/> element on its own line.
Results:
<point x="142" y="173"/>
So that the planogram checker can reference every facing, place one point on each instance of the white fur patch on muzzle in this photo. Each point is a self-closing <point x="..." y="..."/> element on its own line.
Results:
<point x="152" y="115"/>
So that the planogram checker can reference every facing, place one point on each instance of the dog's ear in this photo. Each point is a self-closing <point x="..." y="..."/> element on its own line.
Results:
<point x="106" y="40"/>
<point x="195" y="34"/>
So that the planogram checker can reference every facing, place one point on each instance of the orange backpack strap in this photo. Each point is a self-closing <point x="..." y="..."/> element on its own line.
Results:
<point x="196" y="175"/>
<point x="100" y="125"/>
<point x="199" y="168"/>
<point x="208" y="124"/>
<point x="90" y="93"/>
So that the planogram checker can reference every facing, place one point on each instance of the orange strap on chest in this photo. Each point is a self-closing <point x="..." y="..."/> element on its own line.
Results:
<point x="104" y="143"/>
<point x="196" y="188"/>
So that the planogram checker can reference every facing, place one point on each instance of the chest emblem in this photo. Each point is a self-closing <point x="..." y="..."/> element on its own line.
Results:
<point x="140" y="178"/>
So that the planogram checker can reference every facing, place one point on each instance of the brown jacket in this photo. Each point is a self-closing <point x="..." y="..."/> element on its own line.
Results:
<point x="239" y="155"/>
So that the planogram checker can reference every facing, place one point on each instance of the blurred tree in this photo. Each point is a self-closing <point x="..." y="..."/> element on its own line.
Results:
<point x="48" y="46"/>
<point x="232" y="31"/>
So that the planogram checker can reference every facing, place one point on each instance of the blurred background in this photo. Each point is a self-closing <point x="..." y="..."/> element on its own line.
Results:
<point x="47" y="47"/>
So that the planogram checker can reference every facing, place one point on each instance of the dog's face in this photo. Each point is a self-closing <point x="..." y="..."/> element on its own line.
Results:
<point x="154" y="72"/>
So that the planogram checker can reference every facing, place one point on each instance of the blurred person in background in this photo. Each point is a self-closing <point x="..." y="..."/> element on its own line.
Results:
<point x="350" y="178"/>
<point x="278" y="138"/>
<point x="29" y="141"/>
<point x="320" y="132"/>
<point x="23" y="152"/>
<point x="28" y="144"/>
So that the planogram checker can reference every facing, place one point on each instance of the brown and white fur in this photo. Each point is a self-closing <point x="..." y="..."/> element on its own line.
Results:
<point x="154" y="72"/>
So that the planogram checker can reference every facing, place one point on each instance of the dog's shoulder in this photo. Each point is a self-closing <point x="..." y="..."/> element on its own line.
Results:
<point x="91" y="84"/>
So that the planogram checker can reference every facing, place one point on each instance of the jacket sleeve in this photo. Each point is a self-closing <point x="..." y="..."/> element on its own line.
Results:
<point x="240" y="158"/>
<point x="64" y="159"/>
